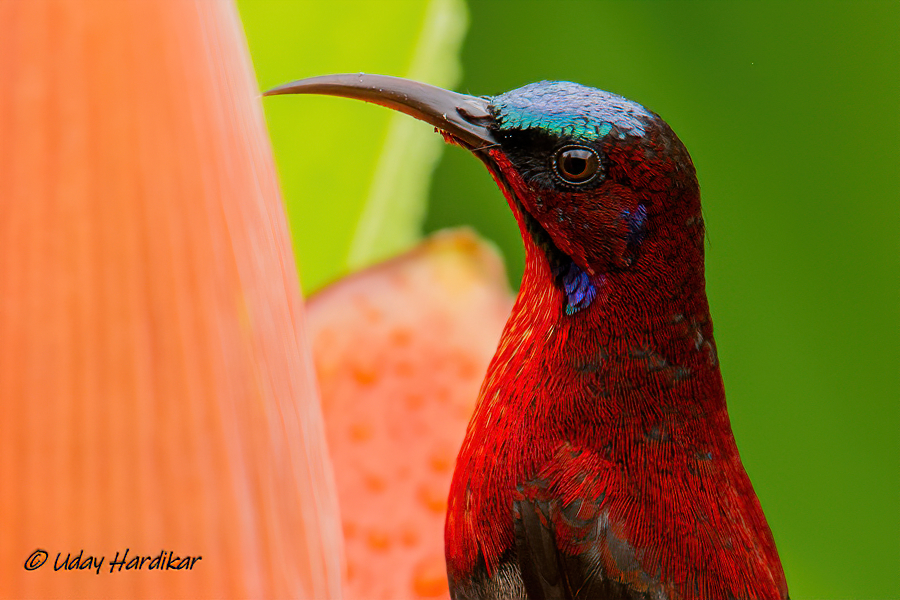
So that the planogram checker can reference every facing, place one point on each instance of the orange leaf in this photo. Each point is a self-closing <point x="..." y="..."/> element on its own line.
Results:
<point x="155" y="390"/>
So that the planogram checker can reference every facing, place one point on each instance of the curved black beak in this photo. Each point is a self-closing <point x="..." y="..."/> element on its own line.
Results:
<point x="466" y="118"/>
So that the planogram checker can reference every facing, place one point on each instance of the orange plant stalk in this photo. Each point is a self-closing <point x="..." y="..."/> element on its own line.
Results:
<point x="156" y="392"/>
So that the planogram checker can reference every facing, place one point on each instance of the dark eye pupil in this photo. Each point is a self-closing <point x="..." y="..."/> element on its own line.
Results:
<point x="577" y="165"/>
<point x="574" y="166"/>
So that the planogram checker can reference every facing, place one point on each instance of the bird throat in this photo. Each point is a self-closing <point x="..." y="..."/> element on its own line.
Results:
<point x="579" y="289"/>
<point x="577" y="286"/>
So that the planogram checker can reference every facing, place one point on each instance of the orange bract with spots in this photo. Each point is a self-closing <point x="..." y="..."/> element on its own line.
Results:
<point x="400" y="351"/>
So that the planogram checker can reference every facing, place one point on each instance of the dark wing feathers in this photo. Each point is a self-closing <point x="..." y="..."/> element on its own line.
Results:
<point x="565" y="546"/>
<point x="536" y="550"/>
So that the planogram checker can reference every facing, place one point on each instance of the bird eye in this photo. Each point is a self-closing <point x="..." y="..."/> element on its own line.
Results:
<point x="576" y="164"/>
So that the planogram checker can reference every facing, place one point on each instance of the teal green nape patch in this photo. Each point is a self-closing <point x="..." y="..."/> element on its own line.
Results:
<point x="604" y="129"/>
<point x="559" y="126"/>
<point x="569" y="109"/>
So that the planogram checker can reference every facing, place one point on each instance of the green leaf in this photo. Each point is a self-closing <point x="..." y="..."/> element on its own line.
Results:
<point x="355" y="176"/>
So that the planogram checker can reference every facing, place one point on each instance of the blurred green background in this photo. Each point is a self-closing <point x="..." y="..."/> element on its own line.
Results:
<point x="791" y="111"/>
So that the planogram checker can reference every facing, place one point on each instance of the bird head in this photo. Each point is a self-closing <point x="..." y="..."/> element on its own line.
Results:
<point x="599" y="183"/>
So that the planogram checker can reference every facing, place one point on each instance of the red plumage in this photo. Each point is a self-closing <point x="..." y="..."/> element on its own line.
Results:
<point x="600" y="461"/>
<point x="609" y="424"/>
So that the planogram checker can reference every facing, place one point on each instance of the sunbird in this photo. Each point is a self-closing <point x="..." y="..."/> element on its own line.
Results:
<point x="600" y="461"/>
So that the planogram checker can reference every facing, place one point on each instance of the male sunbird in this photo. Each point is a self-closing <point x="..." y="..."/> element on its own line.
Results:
<point x="599" y="462"/>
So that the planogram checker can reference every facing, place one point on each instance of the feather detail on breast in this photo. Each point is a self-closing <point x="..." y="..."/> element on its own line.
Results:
<point x="583" y="530"/>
